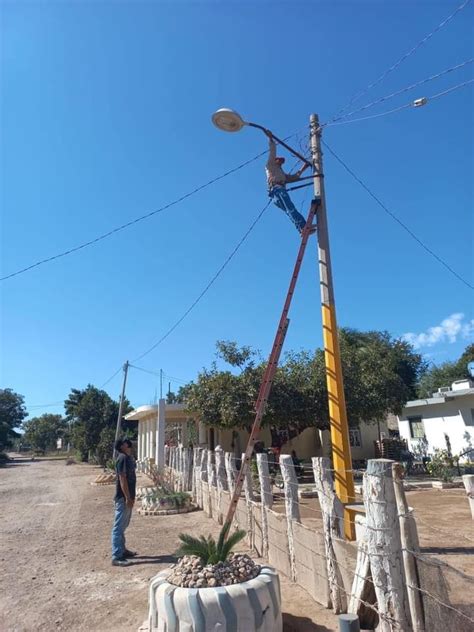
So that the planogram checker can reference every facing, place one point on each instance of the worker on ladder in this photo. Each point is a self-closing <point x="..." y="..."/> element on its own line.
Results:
<point x="277" y="180"/>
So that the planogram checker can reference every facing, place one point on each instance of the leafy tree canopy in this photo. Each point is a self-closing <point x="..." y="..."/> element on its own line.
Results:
<point x="42" y="432"/>
<point x="380" y="375"/>
<point x="91" y="410"/>
<point x="445" y="374"/>
<point x="12" y="413"/>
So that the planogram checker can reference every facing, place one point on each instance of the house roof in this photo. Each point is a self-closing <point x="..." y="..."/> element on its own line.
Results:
<point x="440" y="398"/>
<point x="172" y="411"/>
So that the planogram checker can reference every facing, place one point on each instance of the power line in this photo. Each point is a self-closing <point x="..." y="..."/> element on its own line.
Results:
<point x="408" y="54"/>
<point x="208" y="286"/>
<point x="111" y="377"/>
<point x="402" y="107"/>
<point x="134" y="221"/>
<point x="393" y="216"/>
<point x="406" y="89"/>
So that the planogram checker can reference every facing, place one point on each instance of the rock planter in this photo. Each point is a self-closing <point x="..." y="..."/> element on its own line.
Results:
<point x="249" y="606"/>
<point x="105" y="479"/>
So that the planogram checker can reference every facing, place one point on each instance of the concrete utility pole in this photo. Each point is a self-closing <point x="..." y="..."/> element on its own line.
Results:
<point x="122" y="397"/>
<point x="341" y="451"/>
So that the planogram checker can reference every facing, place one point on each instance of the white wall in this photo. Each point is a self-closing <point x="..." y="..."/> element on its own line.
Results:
<point x="452" y="417"/>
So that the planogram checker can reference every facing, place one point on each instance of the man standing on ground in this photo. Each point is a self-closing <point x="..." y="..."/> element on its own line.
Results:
<point x="124" y="501"/>
<point x="277" y="180"/>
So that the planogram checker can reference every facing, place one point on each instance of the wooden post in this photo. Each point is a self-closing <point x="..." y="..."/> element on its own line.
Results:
<point x="332" y="511"/>
<point x="196" y="479"/>
<point x="248" y="490"/>
<point x="409" y="540"/>
<point x="266" y="497"/>
<point x="384" y="546"/>
<point x="468" y="480"/>
<point x="292" y="506"/>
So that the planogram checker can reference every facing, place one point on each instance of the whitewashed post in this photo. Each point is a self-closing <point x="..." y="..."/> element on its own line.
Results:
<point x="196" y="470"/>
<point x="410" y="545"/>
<point x="332" y="515"/>
<point x="292" y="505"/>
<point x="221" y="480"/>
<point x="167" y="455"/>
<point x="266" y="497"/>
<point x="186" y="469"/>
<point x="231" y="471"/>
<point x="248" y="490"/>
<point x="211" y="480"/>
<point x="203" y="474"/>
<point x="384" y="546"/>
<point x="468" y="480"/>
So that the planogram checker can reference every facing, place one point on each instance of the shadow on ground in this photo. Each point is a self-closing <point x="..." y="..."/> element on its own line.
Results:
<point x="292" y="623"/>
<point x="153" y="559"/>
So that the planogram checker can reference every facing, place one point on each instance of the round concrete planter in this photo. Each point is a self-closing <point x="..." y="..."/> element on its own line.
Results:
<point x="252" y="606"/>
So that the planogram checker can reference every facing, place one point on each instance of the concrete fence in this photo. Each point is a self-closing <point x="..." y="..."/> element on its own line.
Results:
<point x="381" y="576"/>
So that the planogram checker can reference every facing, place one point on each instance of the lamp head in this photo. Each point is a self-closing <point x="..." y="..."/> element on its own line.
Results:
<point x="228" y="120"/>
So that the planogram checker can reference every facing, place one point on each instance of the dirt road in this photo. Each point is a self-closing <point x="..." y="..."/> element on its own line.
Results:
<point x="55" y="556"/>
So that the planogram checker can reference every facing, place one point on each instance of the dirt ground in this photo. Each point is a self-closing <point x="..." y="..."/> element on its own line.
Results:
<point x="55" y="556"/>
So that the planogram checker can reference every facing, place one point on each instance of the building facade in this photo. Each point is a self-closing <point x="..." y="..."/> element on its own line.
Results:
<point x="425" y="423"/>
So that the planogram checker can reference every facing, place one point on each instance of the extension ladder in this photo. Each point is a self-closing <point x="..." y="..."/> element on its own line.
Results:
<point x="271" y="367"/>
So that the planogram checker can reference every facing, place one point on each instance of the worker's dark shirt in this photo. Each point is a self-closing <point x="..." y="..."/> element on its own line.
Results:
<point x="125" y="465"/>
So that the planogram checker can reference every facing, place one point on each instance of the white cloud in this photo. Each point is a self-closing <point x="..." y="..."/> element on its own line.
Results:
<point x="449" y="330"/>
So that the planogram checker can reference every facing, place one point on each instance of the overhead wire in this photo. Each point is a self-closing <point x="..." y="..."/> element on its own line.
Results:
<point x="442" y="73"/>
<point x="208" y="286"/>
<point x="411" y="104"/>
<point x="398" y="220"/>
<point x="408" y="54"/>
<point x="134" y="221"/>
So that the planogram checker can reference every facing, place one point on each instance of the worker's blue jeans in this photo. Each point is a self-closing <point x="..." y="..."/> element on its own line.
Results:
<point x="121" y="522"/>
<point x="281" y="199"/>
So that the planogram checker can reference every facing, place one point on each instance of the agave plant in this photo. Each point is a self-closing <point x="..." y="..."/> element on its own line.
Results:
<point x="207" y="549"/>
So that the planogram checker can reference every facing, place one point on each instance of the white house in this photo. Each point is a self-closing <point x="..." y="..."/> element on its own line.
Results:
<point x="449" y="411"/>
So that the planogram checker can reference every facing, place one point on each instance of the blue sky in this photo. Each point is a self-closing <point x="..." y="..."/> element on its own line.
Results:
<point x="106" y="115"/>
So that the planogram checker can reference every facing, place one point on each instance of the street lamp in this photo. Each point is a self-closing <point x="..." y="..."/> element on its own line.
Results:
<point x="228" y="120"/>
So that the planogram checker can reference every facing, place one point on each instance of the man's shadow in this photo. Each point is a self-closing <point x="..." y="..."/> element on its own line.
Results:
<point x="153" y="559"/>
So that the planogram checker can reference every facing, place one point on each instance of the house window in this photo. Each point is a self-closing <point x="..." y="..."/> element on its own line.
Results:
<point x="355" y="438"/>
<point x="416" y="428"/>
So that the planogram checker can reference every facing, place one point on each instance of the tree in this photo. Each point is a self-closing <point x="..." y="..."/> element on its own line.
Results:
<point x="380" y="375"/>
<point x="43" y="432"/>
<point x="12" y="413"/>
<point x="90" y="411"/>
<point x="445" y="374"/>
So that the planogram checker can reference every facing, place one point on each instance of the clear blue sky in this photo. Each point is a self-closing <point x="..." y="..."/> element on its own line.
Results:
<point x="106" y="115"/>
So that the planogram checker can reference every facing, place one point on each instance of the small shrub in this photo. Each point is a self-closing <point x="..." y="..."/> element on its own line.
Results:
<point x="207" y="549"/>
<point x="442" y="465"/>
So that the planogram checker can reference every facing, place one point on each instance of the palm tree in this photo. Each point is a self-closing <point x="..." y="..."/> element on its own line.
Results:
<point x="207" y="549"/>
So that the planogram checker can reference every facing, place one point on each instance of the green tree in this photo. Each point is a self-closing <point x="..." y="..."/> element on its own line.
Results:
<point x="90" y="411"/>
<point x="43" y="432"/>
<point x="380" y="375"/>
<point x="12" y="414"/>
<point x="445" y="374"/>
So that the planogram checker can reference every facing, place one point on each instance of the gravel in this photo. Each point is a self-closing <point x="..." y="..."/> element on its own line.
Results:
<point x="190" y="573"/>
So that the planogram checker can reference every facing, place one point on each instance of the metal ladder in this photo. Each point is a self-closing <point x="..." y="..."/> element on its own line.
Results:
<point x="271" y="368"/>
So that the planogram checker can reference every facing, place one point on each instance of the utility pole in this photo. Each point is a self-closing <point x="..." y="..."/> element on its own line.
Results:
<point x="161" y="383"/>
<point x="341" y="451"/>
<point x="122" y="397"/>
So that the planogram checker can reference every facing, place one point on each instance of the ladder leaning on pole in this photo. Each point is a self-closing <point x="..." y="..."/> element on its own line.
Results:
<point x="271" y="368"/>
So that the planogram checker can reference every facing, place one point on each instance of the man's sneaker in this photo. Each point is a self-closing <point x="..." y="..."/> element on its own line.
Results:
<point x="122" y="562"/>
<point x="130" y="553"/>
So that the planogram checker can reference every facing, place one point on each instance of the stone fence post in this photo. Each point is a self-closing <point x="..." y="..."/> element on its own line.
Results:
<point x="292" y="506"/>
<point x="266" y="497"/>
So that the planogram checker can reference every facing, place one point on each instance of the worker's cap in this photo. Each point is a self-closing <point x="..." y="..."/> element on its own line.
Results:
<point x="280" y="159"/>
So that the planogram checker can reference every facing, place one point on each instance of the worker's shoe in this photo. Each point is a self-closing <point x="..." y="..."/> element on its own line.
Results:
<point x="130" y="553"/>
<point x="121" y="562"/>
